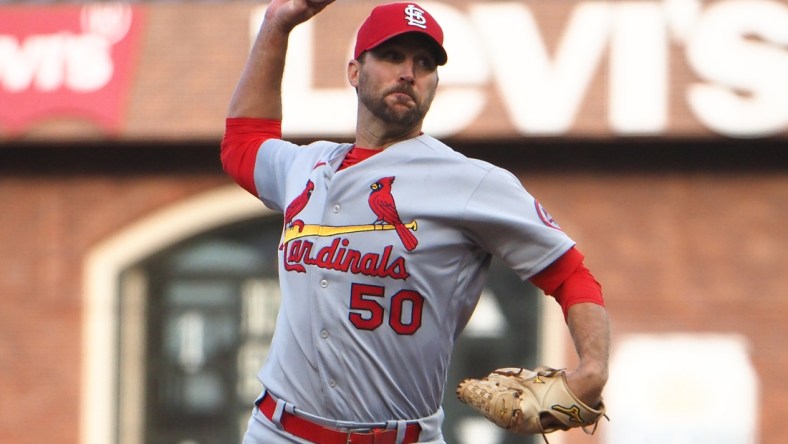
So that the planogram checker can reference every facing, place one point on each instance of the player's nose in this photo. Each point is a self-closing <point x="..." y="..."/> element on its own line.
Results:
<point x="408" y="70"/>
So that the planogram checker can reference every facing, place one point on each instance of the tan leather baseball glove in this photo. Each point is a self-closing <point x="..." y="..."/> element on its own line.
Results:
<point x="516" y="399"/>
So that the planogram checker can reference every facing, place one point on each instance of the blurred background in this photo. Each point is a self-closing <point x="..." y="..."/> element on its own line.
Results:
<point x="138" y="289"/>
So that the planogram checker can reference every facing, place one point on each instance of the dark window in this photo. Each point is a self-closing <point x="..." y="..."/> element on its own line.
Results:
<point x="211" y="309"/>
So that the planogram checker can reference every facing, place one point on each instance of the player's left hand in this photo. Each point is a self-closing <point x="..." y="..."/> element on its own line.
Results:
<point x="529" y="402"/>
<point x="586" y="383"/>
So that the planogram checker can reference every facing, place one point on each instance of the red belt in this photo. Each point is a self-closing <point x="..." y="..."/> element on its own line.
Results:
<point x="317" y="433"/>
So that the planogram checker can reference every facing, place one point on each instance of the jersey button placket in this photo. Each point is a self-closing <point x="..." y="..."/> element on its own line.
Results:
<point x="323" y="334"/>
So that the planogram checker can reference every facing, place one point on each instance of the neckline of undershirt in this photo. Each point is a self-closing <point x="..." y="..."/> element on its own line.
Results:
<point x="356" y="155"/>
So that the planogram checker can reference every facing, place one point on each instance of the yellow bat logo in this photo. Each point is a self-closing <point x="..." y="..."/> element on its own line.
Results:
<point x="297" y="232"/>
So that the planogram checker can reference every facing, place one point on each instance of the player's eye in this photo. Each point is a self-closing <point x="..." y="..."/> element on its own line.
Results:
<point x="392" y="55"/>
<point x="427" y="62"/>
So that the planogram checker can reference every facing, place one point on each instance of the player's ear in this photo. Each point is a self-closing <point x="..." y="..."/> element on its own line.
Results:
<point x="353" y="69"/>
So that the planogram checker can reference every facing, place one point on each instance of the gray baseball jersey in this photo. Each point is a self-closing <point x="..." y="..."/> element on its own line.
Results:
<point x="381" y="265"/>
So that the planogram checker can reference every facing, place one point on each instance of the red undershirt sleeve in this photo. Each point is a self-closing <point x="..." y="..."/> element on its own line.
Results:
<point x="242" y="139"/>
<point x="569" y="281"/>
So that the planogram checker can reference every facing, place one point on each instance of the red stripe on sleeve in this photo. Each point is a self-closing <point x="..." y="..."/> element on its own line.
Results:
<point x="569" y="281"/>
<point x="242" y="138"/>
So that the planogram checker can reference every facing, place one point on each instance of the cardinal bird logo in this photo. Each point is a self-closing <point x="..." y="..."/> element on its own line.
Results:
<point x="297" y="205"/>
<point x="382" y="204"/>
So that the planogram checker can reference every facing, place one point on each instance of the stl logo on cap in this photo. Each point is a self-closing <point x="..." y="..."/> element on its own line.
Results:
<point x="393" y="19"/>
<point x="415" y="16"/>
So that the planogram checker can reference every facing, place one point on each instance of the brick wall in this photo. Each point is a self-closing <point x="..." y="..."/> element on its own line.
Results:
<point x="688" y="252"/>
<point x="51" y="216"/>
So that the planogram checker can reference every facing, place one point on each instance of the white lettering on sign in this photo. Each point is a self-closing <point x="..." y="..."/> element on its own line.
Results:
<point x="738" y="50"/>
<point x="80" y="62"/>
<point x="638" y="86"/>
<point x="542" y="94"/>
<point x="49" y="62"/>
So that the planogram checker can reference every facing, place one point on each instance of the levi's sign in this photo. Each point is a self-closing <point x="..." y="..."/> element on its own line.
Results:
<point x="66" y="61"/>
<point x="588" y="68"/>
<point x="579" y="69"/>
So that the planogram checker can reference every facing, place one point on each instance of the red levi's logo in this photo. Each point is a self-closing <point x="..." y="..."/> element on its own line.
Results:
<point x="66" y="61"/>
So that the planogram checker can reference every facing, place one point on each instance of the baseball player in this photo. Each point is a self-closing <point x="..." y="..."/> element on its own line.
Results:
<point x="386" y="243"/>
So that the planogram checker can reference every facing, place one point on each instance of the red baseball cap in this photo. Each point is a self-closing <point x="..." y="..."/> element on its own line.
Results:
<point x="393" y="19"/>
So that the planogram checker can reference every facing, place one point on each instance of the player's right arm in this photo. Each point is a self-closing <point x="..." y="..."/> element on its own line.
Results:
<point x="255" y="112"/>
<point x="258" y="93"/>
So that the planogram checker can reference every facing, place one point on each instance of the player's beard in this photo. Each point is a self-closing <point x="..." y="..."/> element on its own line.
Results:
<point x="399" y="116"/>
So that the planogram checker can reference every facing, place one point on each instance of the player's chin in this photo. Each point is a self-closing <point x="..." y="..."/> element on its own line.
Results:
<point x="405" y="118"/>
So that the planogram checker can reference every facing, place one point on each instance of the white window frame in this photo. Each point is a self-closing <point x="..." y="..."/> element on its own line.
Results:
<point x="101" y="273"/>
